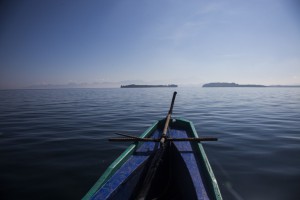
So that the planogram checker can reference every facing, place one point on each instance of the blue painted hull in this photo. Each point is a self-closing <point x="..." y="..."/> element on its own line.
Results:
<point x="184" y="172"/>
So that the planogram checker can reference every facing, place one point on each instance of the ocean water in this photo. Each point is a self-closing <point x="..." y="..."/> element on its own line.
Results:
<point x="53" y="143"/>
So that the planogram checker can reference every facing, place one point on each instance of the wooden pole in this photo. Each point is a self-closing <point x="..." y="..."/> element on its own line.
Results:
<point x="136" y="139"/>
<point x="156" y="160"/>
<point x="165" y="130"/>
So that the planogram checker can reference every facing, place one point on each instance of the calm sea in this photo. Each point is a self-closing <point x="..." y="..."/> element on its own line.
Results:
<point x="53" y="143"/>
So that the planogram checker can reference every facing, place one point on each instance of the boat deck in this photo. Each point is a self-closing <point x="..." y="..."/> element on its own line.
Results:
<point x="179" y="177"/>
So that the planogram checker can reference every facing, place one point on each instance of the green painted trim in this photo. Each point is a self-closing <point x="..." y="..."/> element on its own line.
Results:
<point x="212" y="177"/>
<point x="129" y="151"/>
<point x="213" y="180"/>
<point x="117" y="163"/>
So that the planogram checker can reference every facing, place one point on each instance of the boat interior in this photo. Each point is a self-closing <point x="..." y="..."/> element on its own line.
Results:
<point x="176" y="173"/>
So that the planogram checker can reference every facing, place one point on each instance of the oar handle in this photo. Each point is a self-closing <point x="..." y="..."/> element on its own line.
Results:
<point x="193" y="139"/>
<point x="133" y="140"/>
<point x="164" y="133"/>
<point x="136" y="139"/>
<point x="172" y="103"/>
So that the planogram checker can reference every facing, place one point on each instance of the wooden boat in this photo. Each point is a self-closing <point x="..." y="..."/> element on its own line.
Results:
<point x="166" y="162"/>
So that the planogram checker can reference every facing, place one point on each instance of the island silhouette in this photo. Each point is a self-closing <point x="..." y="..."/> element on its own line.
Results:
<point x="147" y="86"/>
<point x="217" y="84"/>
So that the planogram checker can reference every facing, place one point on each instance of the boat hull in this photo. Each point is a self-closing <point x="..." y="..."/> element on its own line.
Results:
<point x="185" y="172"/>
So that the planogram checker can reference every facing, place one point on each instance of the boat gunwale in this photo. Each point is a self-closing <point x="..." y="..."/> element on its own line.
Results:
<point x="208" y="168"/>
<point x="117" y="163"/>
<point x="130" y="150"/>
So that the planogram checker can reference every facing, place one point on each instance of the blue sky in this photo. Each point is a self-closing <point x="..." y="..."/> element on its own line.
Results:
<point x="151" y="41"/>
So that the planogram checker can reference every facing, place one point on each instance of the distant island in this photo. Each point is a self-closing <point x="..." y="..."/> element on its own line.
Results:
<point x="230" y="85"/>
<point x="147" y="86"/>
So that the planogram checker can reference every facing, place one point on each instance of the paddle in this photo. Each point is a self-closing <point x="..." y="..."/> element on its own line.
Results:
<point x="163" y="139"/>
<point x="155" y="162"/>
<point x="164" y="133"/>
<point x="137" y="139"/>
<point x="157" y="159"/>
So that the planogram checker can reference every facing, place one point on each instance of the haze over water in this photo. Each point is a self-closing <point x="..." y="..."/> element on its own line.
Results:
<point x="53" y="143"/>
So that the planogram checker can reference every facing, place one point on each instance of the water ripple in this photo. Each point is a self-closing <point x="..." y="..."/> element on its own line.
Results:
<point x="53" y="143"/>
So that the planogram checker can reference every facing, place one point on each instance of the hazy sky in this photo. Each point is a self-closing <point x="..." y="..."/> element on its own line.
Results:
<point x="156" y="41"/>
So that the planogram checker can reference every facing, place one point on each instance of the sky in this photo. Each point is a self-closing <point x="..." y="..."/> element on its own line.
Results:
<point x="113" y="42"/>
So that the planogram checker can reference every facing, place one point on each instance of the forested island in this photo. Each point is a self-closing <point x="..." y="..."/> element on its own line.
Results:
<point x="147" y="86"/>
<point x="230" y="85"/>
